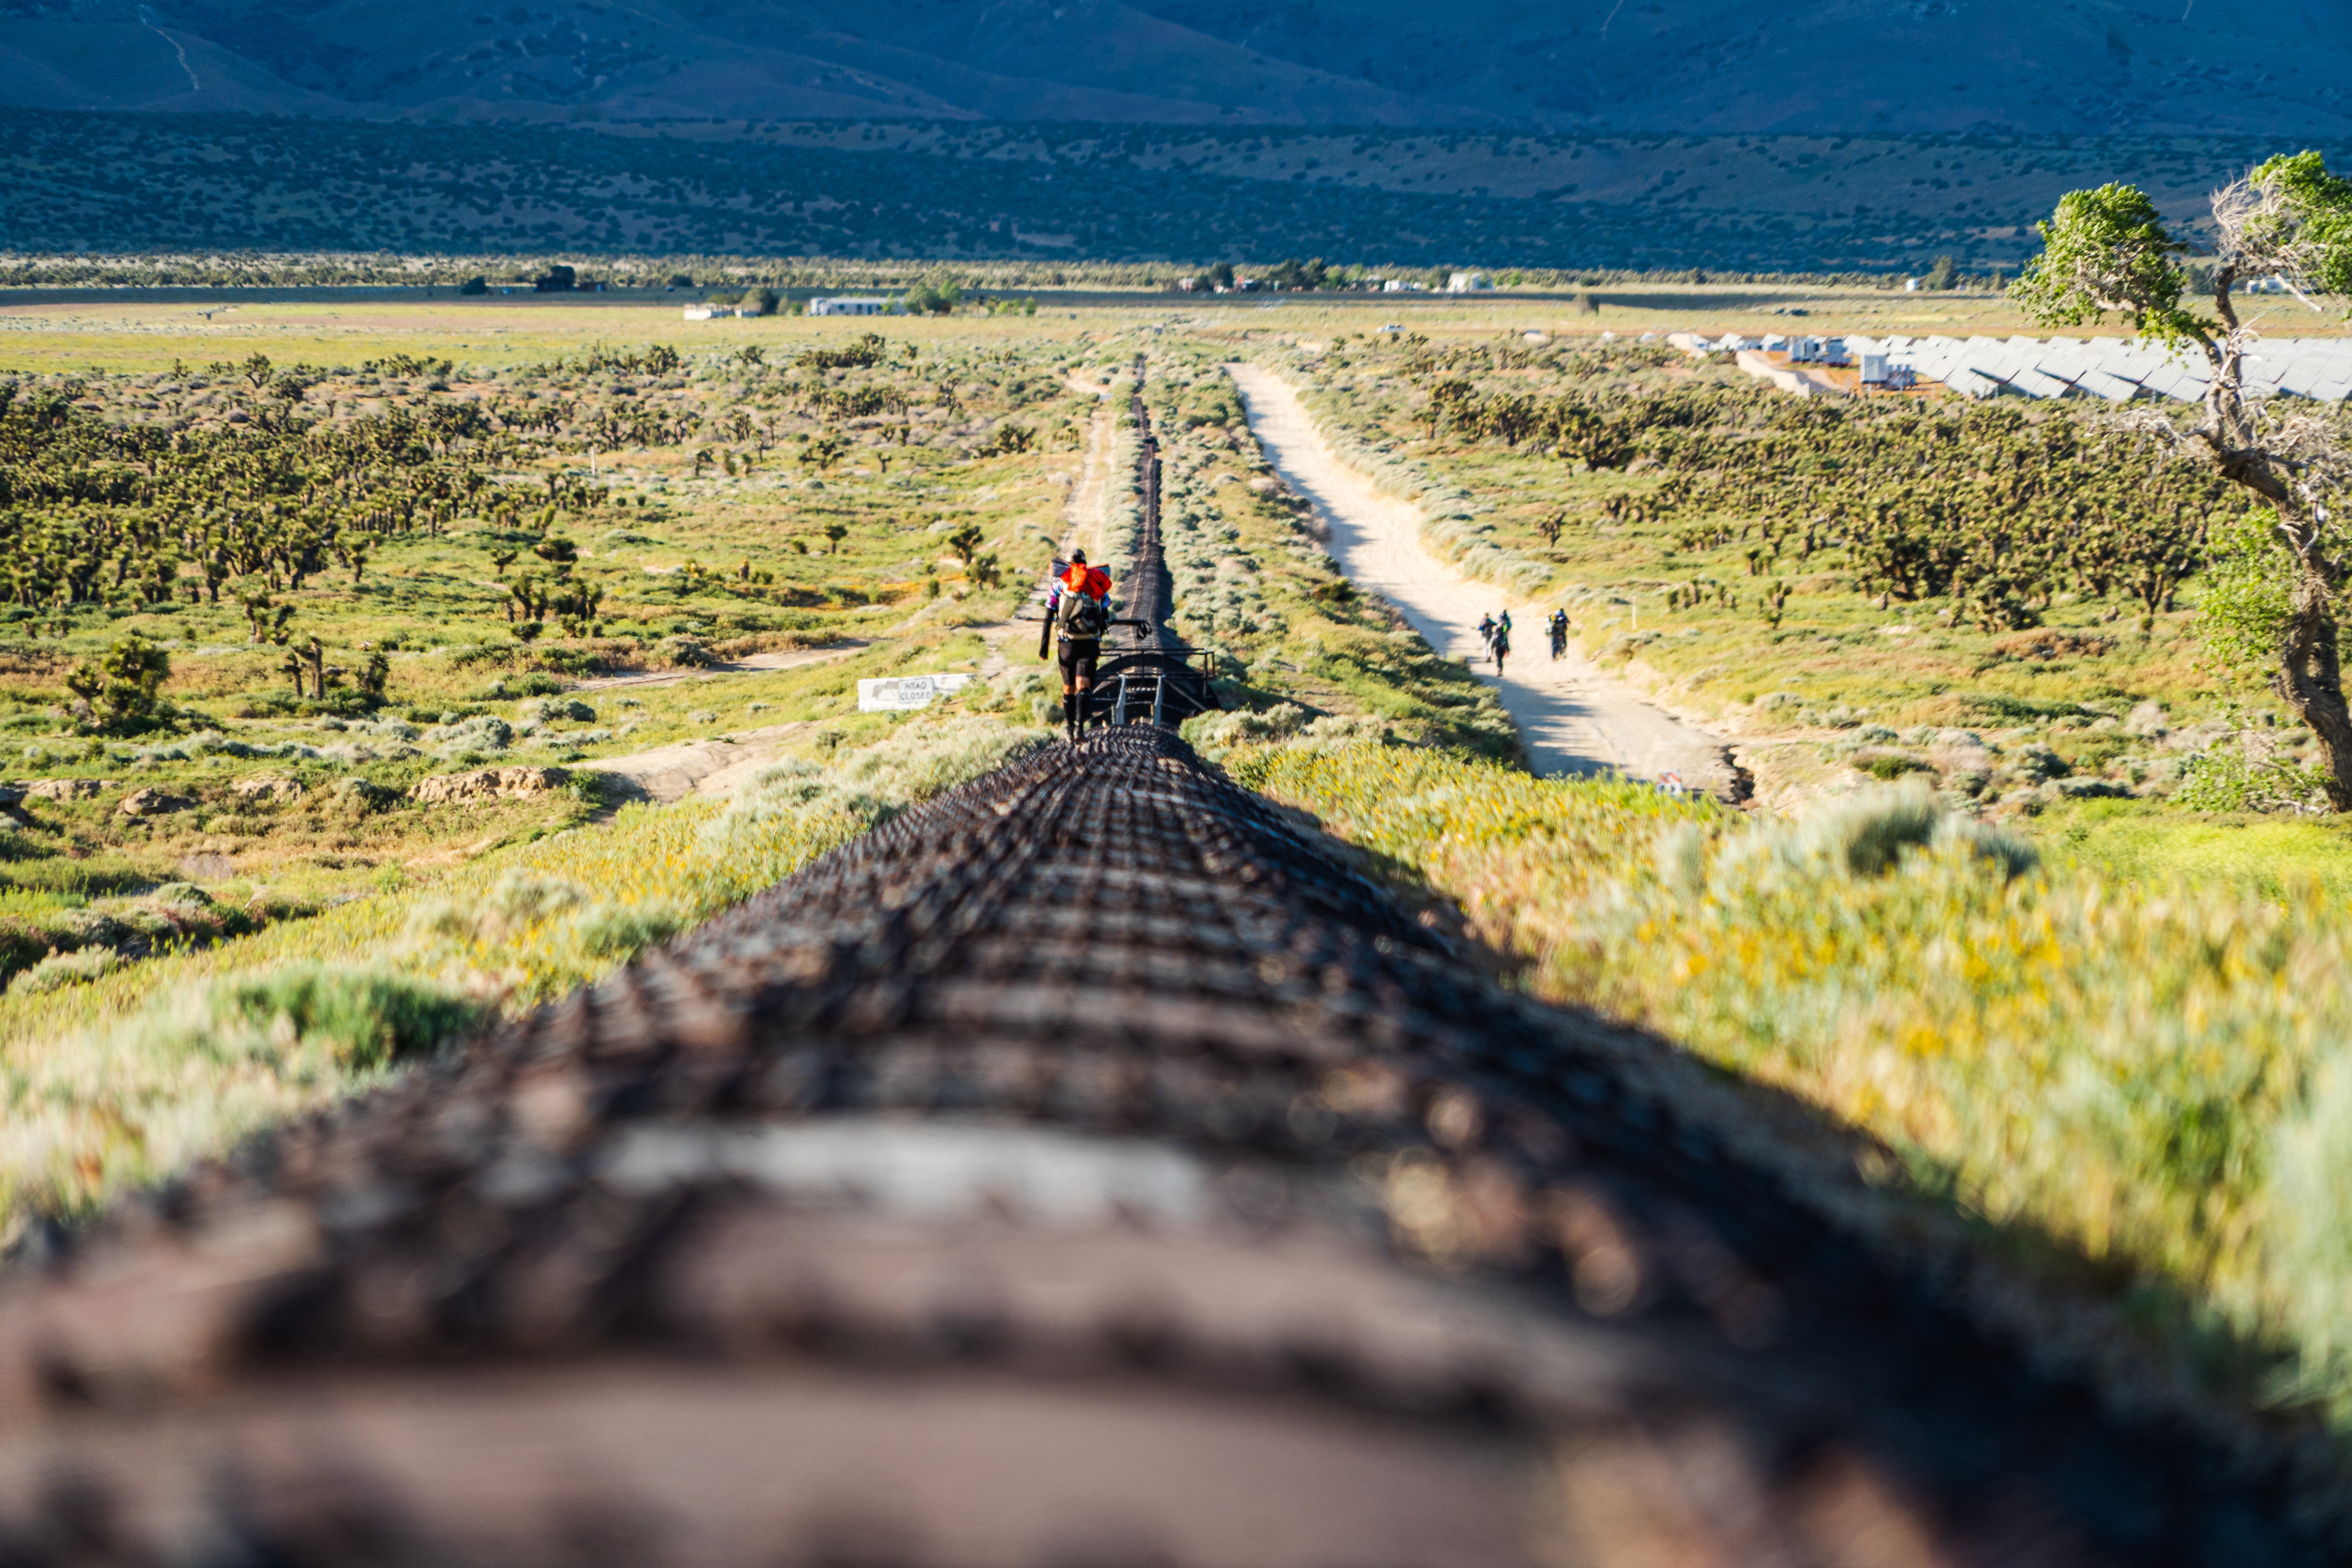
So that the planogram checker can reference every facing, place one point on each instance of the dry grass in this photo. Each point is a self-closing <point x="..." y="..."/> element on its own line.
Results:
<point x="2055" y="1052"/>
<point x="129" y="1077"/>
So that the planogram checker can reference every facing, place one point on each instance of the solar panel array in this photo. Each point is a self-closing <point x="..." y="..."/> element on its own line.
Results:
<point x="2115" y="369"/>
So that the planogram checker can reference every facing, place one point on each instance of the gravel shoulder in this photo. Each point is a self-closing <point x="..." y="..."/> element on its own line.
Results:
<point x="1574" y="716"/>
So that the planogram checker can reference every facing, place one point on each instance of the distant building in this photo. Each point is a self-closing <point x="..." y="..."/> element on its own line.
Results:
<point x="1398" y="285"/>
<point x="708" y="312"/>
<point x="1467" y="283"/>
<point x="848" y="305"/>
<point x="1186" y="285"/>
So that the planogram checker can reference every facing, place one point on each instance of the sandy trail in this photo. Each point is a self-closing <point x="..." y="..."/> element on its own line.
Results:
<point x="1083" y="518"/>
<point x="717" y="768"/>
<point x="1574" y="716"/>
<point x="712" y="768"/>
<point x="750" y="664"/>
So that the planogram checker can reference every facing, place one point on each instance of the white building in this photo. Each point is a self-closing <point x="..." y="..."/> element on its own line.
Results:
<point x="1467" y="283"/>
<point x="708" y="312"/>
<point x="848" y="305"/>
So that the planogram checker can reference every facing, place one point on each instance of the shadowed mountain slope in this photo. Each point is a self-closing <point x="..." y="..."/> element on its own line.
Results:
<point x="1721" y="66"/>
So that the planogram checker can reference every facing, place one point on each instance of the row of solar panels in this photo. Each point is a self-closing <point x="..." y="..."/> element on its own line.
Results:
<point x="1803" y="350"/>
<point x="2115" y="368"/>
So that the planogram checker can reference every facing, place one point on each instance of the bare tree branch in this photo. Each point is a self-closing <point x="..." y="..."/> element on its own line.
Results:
<point x="2260" y="233"/>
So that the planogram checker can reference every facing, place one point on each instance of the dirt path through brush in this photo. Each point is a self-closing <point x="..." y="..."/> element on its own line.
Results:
<point x="716" y="767"/>
<point x="1575" y="716"/>
<point x="1083" y="518"/>
<point x="750" y="664"/>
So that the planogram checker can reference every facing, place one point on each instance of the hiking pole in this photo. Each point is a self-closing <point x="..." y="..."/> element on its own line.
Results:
<point x="1046" y="632"/>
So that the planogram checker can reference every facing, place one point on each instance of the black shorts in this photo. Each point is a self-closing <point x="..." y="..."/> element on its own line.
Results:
<point x="1078" y="657"/>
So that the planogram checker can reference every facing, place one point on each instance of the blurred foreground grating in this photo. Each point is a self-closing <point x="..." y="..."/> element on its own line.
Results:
<point x="1087" y="1167"/>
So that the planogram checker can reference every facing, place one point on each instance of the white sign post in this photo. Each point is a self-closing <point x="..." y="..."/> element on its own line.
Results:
<point x="903" y="693"/>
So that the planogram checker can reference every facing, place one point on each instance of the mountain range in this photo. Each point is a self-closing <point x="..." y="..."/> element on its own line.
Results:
<point x="2266" y="67"/>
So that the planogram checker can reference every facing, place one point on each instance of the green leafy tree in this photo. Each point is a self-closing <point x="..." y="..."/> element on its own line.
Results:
<point x="934" y="296"/>
<point x="1296" y="274"/>
<point x="2108" y="250"/>
<point x="1942" y="275"/>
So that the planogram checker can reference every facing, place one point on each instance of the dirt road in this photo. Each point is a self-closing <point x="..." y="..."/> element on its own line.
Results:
<point x="713" y="768"/>
<point x="716" y="767"/>
<point x="750" y="664"/>
<point x="1575" y="716"/>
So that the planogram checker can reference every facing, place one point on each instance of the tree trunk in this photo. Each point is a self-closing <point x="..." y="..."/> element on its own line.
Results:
<point x="2310" y="681"/>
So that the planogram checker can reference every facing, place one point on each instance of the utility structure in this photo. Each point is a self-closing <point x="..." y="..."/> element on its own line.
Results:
<point x="1092" y="1164"/>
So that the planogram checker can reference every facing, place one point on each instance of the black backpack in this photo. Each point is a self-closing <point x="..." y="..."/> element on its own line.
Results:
<point x="1083" y="616"/>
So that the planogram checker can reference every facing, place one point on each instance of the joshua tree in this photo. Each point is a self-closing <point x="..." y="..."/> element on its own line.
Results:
<point x="824" y="451"/>
<point x="2109" y="250"/>
<point x="120" y="688"/>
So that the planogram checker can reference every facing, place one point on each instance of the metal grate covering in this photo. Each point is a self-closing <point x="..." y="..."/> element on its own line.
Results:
<point x="1089" y="1159"/>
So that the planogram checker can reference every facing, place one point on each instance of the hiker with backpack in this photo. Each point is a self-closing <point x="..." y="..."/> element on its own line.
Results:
<point x="1501" y="643"/>
<point x="1078" y="609"/>
<point x="1559" y="627"/>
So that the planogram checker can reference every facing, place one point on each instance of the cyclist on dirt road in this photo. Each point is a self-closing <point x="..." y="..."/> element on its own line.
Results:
<point x="1079" y="609"/>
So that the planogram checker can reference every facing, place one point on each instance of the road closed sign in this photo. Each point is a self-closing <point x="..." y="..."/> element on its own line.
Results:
<point x="898" y="694"/>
